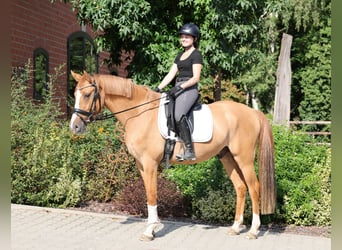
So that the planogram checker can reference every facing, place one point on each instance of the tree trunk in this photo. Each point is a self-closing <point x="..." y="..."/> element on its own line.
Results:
<point x="217" y="87"/>
<point x="254" y="101"/>
<point x="282" y="101"/>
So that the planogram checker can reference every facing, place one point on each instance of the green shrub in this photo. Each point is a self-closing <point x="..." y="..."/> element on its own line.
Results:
<point x="195" y="180"/>
<point x="207" y="186"/>
<point x="218" y="206"/>
<point x="52" y="167"/>
<point x="108" y="165"/>
<point x="323" y="205"/>
<point x="41" y="173"/>
<point x="303" y="179"/>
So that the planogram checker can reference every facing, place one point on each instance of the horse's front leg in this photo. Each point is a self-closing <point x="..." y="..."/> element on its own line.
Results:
<point x="149" y="175"/>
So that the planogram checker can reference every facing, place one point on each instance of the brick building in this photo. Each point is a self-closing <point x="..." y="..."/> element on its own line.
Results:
<point x="49" y="35"/>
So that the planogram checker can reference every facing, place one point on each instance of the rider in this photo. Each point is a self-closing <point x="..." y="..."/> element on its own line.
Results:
<point x="188" y="64"/>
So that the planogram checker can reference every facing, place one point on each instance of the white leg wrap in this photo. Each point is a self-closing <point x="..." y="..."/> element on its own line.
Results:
<point x="152" y="214"/>
<point x="255" y="223"/>
<point x="237" y="224"/>
<point x="152" y="223"/>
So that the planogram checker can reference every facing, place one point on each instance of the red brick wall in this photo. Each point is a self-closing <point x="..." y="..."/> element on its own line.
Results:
<point x="38" y="23"/>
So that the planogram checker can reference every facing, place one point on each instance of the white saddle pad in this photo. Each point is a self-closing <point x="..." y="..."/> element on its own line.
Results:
<point x="203" y="122"/>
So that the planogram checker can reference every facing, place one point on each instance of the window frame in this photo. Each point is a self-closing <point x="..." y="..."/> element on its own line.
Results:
<point x="85" y="37"/>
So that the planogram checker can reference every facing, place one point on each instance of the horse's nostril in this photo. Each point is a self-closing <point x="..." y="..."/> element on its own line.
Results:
<point x="74" y="128"/>
<point x="77" y="128"/>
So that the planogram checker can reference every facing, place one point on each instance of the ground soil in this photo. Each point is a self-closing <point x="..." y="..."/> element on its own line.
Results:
<point x="112" y="208"/>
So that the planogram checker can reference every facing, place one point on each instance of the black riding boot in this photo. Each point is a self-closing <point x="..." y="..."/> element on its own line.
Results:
<point x="185" y="134"/>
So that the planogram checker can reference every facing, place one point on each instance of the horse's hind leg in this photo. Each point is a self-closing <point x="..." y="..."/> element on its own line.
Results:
<point x="247" y="169"/>
<point x="239" y="184"/>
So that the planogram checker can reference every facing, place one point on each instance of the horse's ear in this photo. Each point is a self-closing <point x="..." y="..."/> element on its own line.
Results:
<point x="76" y="76"/>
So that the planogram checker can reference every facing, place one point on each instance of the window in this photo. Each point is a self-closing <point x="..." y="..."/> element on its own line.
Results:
<point x="81" y="56"/>
<point x="40" y="73"/>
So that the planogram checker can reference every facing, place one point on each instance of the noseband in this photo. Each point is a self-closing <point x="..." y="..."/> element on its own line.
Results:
<point x="89" y="114"/>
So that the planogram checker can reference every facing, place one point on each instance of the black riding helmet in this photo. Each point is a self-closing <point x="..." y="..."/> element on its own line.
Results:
<point x="190" y="29"/>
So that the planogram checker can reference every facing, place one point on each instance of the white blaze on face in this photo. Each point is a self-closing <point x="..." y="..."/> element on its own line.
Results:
<point x="77" y="106"/>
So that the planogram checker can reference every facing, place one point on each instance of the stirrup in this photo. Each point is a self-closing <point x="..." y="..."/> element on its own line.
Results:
<point x="180" y="157"/>
<point x="183" y="157"/>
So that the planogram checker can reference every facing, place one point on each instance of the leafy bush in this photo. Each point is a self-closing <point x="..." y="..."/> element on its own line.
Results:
<point x="209" y="190"/>
<point x="218" y="206"/>
<point x="195" y="180"/>
<point x="303" y="174"/>
<point x="41" y="169"/>
<point x="109" y="167"/>
<point x="171" y="202"/>
<point x="52" y="167"/>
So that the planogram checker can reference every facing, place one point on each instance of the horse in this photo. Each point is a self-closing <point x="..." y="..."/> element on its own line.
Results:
<point x="239" y="132"/>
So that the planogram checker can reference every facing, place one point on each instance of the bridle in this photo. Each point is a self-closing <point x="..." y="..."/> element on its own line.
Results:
<point x="89" y="114"/>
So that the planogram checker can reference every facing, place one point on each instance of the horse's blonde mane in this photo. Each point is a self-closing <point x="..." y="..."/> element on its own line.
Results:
<point x="115" y="85"/>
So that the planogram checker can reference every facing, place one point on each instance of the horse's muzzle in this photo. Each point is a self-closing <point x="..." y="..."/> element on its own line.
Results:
<point x="77" y="126"/>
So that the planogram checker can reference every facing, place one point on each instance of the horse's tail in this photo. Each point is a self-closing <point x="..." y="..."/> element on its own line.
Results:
<point x="266" y="167"/>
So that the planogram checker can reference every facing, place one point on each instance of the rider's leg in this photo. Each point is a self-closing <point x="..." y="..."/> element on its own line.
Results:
<point x="185" y="134"/>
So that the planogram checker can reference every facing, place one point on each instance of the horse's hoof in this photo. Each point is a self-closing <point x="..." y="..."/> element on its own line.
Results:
<point x="232" y="232"/>
<point x="145" y="237"/>
<point x="251" y="236"/>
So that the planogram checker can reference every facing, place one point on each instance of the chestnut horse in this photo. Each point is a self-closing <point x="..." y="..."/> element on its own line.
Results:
<point x="238" y="131"/>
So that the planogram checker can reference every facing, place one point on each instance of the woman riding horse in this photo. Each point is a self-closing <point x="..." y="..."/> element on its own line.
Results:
<point x="189" y="65"/>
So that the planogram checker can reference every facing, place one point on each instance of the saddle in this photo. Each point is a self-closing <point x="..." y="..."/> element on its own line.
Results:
<point x="170" y="118"/>
<point x="200" y="122"/>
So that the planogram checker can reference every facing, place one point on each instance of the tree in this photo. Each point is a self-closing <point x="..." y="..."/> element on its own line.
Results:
<point x="309" y="22"/>
<point x="313" y="71"/>
<point x="240" y="41"/>
<point x="229" y="42"/>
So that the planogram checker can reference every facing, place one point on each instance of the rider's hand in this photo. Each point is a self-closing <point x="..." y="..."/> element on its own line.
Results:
<point x="156" y="89"/>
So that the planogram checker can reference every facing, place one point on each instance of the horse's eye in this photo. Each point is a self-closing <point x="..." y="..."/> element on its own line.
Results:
<point x="87" y="95"/>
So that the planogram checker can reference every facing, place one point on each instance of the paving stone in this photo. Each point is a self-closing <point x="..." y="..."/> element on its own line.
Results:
<point x="38" y="228"/>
